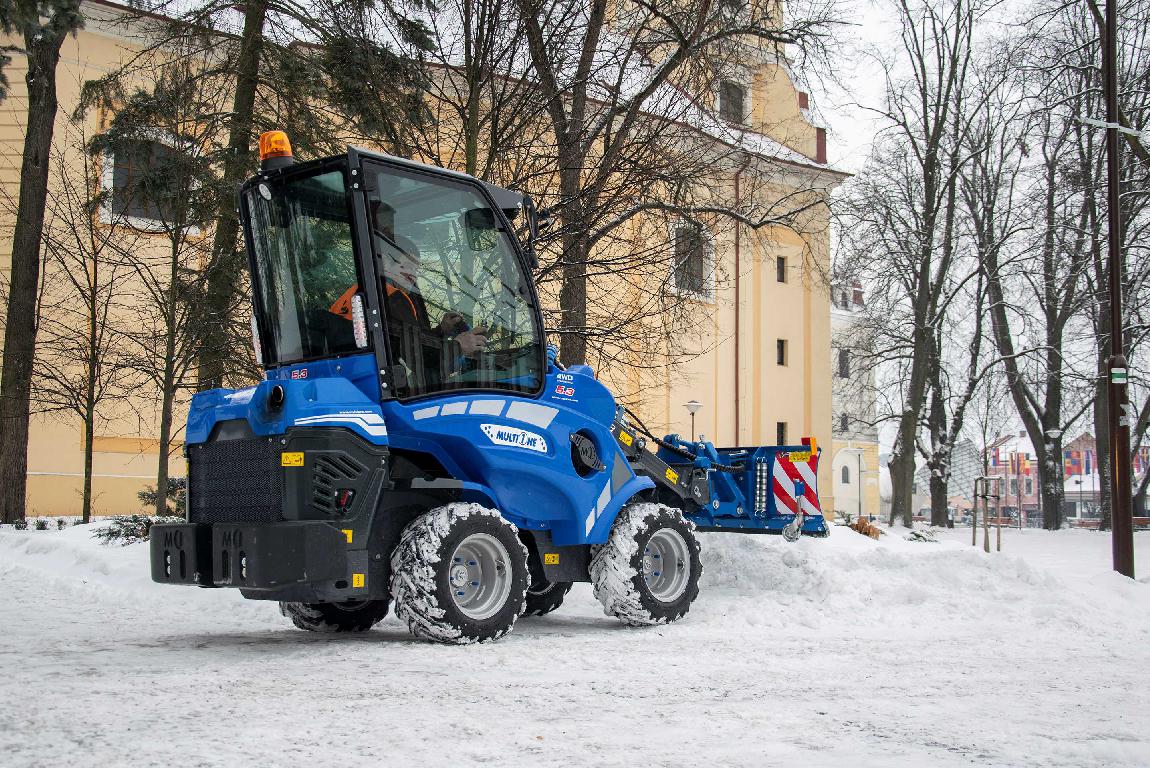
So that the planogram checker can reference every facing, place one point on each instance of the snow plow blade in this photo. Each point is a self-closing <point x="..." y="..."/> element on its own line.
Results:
<point x="247" y="556"/>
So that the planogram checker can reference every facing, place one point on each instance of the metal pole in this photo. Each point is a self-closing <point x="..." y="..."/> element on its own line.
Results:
<point x="986" y="526"/>
<point x="693" y="437"/>
<point x="974" y="515"/>
<point x="1122" y="521"/>
<point x="860" y="482"/>
<point x="997" y="519"/>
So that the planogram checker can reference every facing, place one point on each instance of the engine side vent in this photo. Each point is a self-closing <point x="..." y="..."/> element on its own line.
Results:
<point x="331" y="472"/>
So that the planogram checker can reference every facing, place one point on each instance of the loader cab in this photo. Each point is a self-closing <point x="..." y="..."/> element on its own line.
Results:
<point x="365" y="254"/>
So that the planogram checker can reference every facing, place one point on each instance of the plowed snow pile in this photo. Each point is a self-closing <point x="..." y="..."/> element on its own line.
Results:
<point x="836" y="652"/>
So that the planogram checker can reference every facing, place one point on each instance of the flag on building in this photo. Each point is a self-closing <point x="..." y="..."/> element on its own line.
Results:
<point x="1072" y="462"/>
<point x="1089" y="461"/>
<point x="1141" y="459"/>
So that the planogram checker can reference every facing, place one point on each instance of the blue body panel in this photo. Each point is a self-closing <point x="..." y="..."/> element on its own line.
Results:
<point x="510" y="450"/>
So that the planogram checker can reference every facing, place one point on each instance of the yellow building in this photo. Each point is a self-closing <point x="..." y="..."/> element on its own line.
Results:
<point x="760" y="363"/>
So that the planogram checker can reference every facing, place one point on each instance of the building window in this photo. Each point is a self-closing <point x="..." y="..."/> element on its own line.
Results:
<point x="844" y="422"/>
<point x="731" y="98"/>
<point x="846" y="475"/>
<point x="692" y="268"/>
<point x="844" y="364"/>
<point x="731" y="7"/>
<point x="1013" y="486"/>
<point x="780" y="433"/>
<point x="136" y="182"/>
<point x="781" y="269"/>
<point x="781" y="351"/>
<point x="1029" y="486"/>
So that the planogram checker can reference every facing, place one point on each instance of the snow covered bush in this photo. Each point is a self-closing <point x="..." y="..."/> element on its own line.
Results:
<point x="129" y="529"/>
<point x="41" y="524"/>
<point x="20" y="525"/>
<point x="919" y="534"/>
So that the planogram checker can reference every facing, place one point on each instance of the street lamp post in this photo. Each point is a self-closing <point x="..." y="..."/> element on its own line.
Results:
<point x="693" y="407"/>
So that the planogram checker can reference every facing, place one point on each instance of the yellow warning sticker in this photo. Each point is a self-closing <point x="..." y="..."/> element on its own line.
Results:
<point x="291" y="459"/>
<point x="800" y="456"/>
<point x="672" y="475"/>
<point x="551" y="558"/>
<point x="358" y="580"/>
<point x="347" y="532"/>
<point x="626" y="439"/>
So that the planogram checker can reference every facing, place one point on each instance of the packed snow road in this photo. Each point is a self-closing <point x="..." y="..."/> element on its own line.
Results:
<point x="837" y="652"/>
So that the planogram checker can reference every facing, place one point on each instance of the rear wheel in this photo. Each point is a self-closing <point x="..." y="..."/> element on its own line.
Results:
<point x="648" y="571"/>
<point x="543" y="596"/>
<point x="459" y="575"/>
<point x="348" y="616"/>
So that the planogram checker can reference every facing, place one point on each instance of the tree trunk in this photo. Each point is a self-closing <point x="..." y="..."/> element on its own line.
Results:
<point x="225" y="264"/>
<point x="1051" y="488"/>
<point x="89" y="436"/>
<point x="573" y="293"/>
<point x="168" y="383"/>
<point x="938" y="499"/>
<point x="43" y="47"/>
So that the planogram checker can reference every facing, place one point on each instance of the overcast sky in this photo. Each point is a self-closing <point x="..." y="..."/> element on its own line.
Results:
<point x="871" y="28"/>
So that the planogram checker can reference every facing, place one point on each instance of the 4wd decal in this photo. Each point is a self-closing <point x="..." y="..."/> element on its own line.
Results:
<point x="514" y="437"/>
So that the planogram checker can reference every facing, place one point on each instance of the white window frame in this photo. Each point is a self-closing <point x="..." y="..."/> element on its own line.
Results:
<point x="708" y="292"/>
<point x="107" y="187"/>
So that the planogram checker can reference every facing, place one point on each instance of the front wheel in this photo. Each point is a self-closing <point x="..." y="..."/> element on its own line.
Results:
<point x="348" y="616"/>
<point x="459" y="575"/>
<point x="648" y="571"/>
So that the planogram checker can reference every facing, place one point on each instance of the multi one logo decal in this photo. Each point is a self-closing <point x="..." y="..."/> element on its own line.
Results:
<point x="514" y="437"/>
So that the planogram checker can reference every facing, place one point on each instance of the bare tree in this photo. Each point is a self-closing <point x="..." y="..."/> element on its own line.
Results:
<point x="900" y="224"/>
<point x="43" y="26"/>
<point x="168" y="189"/>
<point x="633" y="134"/>
<point x="79" y="365"/>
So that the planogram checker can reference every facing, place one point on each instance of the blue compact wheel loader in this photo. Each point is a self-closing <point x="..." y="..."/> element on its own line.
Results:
<point x="413" y="440"/>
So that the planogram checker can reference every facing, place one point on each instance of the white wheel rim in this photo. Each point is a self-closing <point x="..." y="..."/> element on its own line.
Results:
<point x="666" y="565"/>
<point x="479" y="576"/>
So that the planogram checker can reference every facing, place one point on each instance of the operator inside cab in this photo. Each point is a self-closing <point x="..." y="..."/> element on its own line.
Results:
<point x="443" y="348"/>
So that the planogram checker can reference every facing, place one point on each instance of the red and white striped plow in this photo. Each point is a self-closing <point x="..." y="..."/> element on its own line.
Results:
<point x="801" y="466"/>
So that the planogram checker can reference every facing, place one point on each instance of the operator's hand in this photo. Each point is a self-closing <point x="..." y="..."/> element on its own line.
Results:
<point x="453" y="324"/>
<point x="472" y="342"/>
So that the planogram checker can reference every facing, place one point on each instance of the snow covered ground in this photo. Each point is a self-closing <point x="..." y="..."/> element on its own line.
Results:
<point x="837" y="652"/>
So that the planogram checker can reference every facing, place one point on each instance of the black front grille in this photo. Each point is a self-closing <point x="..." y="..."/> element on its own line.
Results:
<point x="235" y="481"/>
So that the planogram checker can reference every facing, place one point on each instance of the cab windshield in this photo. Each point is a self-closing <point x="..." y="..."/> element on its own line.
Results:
<point x="304" y="262"/>
<point x="458" y="301"/>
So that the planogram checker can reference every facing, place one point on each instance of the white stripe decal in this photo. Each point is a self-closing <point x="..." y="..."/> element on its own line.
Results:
<point x="604" y="497"/>
<point x="806" y="473"/>
<point x="784" y="479"/>
<point x="367" y="418"/>
<point x="375" y="430"/>
<point x="532" y="413"/>
<point x="426" y="413"/>
<point x="454" y="409"/>
<point x="487" y="407"/>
